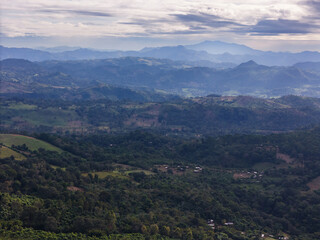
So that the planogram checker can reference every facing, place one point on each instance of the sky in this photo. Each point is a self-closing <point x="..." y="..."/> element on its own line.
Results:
<point x="277" y="25"/>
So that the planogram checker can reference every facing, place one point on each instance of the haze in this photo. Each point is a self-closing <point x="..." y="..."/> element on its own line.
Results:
<point x="282" y="25"/>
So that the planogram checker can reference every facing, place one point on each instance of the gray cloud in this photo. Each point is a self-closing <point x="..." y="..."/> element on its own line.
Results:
<point x="146" y="22"/>
<point x="196" y="23"/>
<point x="275" y="27"/>
<point x="314" y="9"/>
<point x="181" y="32"/>
<point x="205" y="23"/>
<point x="197" y="28"/>
<point x="150" y="25"/>
<point x="91" y="13"/>
<point x="314" y="5"/>
<point x="77" y="12"/>
<point x="205" y="20"/>
<point x="184" y="20"/>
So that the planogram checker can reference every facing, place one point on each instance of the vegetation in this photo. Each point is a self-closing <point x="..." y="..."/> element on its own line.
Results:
<point x="87" y="79"/>
<point x="6" y="152"/>
<point x="94" y="161"/>
<point x="148" y="186"/>
<point x="31" y="143"/>
<point x="212" y="115"/>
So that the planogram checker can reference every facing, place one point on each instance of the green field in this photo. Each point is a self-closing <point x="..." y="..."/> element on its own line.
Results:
<point x="48" y="117"/>
<point x="22" y="106"/>
<point x="262" y="166"/>
<point x="31" y="143"/>
<point x="35" y="116"/>
<point x="104" y="174"/>
<point x="7" y="152"/>
<point x="139" y="171"/>
<point x="118" y="174"/>
<point x="56" y="167"/>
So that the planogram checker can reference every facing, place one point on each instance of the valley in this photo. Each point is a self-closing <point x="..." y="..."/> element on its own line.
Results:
<point x="173" y="142"/>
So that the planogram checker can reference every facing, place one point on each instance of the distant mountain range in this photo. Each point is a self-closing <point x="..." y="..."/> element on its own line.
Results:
<point x="313" y="67"/>
<point x="209" y="53"/>
<point x="218" y="47"/>
<point x="148" y="76"/>
<point x="22" y="78"/>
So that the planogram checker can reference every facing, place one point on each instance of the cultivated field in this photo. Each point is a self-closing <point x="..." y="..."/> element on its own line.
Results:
<point x="118" y="174"/>
<point x="31" y="143"/>
<point x="7" y="152"/>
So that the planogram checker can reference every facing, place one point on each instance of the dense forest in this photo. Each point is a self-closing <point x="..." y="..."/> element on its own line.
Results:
<point x="142" y="185"/>
<point x="160" y="120"/>
<point x="82" y="159"/>
<point x="193" y="117"/>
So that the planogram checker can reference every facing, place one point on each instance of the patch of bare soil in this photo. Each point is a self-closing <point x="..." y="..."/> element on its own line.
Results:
<point x="74" y="189"/>
<point x="123" y="166"/>
<point x="241" y="175"/>
<point x="162" y="168"/>
<point x="167" y="169"/>
<point x="314" y="184"/>
<point x="285" y="158"/>
<point x="75" y="124"/>
<point x="137" y="121"/>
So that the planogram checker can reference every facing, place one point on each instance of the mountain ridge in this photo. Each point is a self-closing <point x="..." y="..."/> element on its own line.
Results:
<point x="235" y="54"/>
<point x="247" y="78"/>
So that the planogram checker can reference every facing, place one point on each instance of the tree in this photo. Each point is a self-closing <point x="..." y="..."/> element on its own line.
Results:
<point x="144" y="229"/>
<point x="177" y="232"/>
<point x="188" y="234"/>
<point x="51" y="224"/>
<point x="154" y="229"/>
<point x="165" y="230"/>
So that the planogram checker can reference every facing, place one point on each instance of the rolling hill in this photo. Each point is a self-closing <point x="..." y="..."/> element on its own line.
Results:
<point x="33" y="80"/>
<point x="212" y="115"/>
<point x="248" y="78"/>
<point x="32" y="143"/>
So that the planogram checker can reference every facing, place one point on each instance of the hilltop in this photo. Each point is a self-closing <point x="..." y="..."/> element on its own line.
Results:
<point x="144" y="76"/>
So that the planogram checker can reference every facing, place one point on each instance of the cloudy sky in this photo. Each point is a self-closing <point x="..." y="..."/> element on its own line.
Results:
<point x="286" y="25"/>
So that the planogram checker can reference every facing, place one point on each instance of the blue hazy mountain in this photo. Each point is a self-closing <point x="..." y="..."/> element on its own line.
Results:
<point x="247" y="78"/>
<point x="175" y="53"/>
<point x="25" y="53"/>
<point x="209" y="53"/>
<point x="58" y="49"/>
<point x="31" y="80"/>
<point x="218" y="47"/>
<point x="313" y="67"/>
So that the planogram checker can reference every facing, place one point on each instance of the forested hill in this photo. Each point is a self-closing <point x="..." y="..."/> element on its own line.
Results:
<point x="212" y="115"/>
<point x="55" y="78"/>
<point x="146" y="186"/>
<point x="24" y="79"/>
<point x="105" y="149"/>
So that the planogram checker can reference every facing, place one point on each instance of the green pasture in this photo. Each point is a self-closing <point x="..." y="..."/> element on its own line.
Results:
<point x="6" y="152"/>
<point x="32" y="143"/>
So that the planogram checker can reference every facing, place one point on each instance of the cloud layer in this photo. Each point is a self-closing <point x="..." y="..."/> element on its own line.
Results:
<point x="273" y="19"/>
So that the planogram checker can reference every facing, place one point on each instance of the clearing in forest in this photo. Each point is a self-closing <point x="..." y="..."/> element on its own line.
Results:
<point x="285" y="157"/>
<point x="6" y="152"/>
<point x="118" y="174"/>
<point x="30" y="142"/>
<point x="314" y="184"/>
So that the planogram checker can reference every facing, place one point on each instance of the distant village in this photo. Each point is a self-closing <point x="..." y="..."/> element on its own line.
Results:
<point x="212" y="225"/>
<point x="178" y="170"/>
